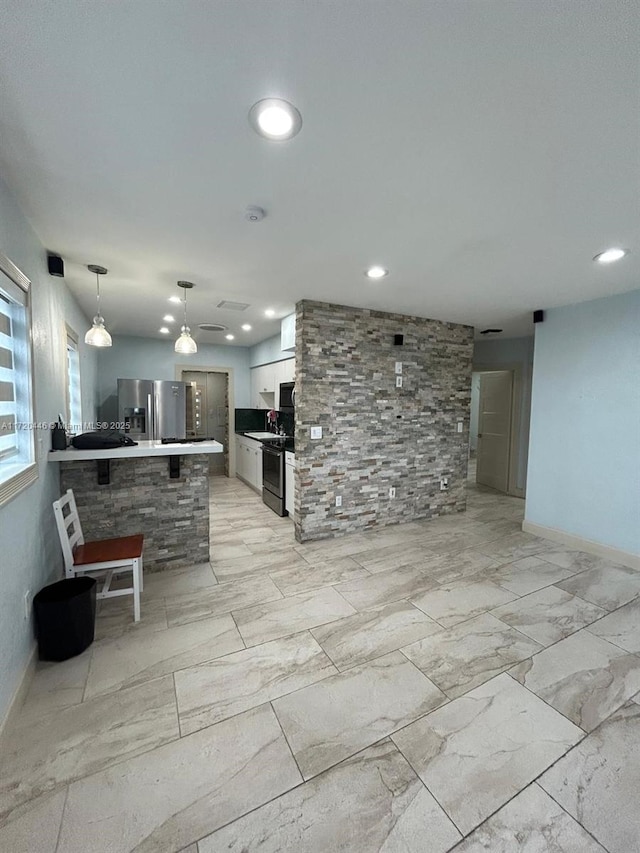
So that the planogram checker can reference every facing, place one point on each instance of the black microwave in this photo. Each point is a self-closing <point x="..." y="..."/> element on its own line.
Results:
<point x="287" y="395"/>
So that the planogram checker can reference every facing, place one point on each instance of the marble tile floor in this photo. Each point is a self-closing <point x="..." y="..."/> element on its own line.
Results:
<point x="454" y="680"/>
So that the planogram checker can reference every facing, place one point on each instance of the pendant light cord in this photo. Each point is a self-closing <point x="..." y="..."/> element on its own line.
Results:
<point x="98" y="287"/>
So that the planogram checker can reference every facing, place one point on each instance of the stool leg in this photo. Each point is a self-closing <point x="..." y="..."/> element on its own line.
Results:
<point x="136" y="591"/>
<point x="141" y="573"/>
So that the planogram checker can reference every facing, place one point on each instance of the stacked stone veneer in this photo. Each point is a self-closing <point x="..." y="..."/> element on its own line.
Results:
<point x="173" y="515"/>
<point x="374" y="434"/>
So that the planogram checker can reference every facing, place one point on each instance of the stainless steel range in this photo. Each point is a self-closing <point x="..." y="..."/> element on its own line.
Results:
<point x="273" y="476"/>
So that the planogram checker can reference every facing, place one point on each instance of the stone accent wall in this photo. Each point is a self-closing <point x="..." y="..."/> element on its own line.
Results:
<point x="376" y="435"/>
<point x="173" y="515"/>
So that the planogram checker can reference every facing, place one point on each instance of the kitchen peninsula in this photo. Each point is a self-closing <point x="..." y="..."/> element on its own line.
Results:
<point x="160" y="490"/>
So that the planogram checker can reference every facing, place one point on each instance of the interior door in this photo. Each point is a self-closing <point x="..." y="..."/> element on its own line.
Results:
<point x="211" y="412"/>
<point x="494" y="429"/>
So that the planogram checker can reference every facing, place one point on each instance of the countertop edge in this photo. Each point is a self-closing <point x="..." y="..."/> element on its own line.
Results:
<point x="139" y="451"/>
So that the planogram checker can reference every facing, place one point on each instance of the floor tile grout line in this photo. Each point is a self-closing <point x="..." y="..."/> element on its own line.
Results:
<point x="64" y="808"/>
<point x="536" y="782"/>
<point x="177" y="706"/>
<point x="549" y="705"/>
<point x="286" y="739"/>
<point x="305" y="781"/>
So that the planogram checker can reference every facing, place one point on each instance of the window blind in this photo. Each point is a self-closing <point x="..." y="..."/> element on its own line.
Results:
<point x="8" y="436"/>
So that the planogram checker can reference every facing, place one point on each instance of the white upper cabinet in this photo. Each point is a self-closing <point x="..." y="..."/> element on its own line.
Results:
<point x="266" y="381"/>
<point x="288" y="370"/>
<point x="288" y="333"/>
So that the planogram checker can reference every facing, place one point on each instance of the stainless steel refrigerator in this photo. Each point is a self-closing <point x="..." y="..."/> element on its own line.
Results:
<point x="152" y="409"/>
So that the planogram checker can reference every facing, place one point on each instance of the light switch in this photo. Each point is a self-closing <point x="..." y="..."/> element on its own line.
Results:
<point x="316" y="432"/>
<point x="398" y="381"/>
<point x="460" y="426"/>
<point x="398" y="367"/>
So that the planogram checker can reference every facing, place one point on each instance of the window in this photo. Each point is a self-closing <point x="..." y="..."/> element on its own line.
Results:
<point x="74" y="409"/>
<point x="17" y="446"/>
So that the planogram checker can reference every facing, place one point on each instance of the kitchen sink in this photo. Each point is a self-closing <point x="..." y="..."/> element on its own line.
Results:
<point x="260" y="435"/>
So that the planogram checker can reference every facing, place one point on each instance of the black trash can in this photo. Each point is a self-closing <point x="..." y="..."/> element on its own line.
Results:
<point x="65" y="614"/>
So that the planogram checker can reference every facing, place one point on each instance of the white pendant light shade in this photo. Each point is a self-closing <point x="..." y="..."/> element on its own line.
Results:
<point x="185" y="344"/>
<point x="98" y="336"/>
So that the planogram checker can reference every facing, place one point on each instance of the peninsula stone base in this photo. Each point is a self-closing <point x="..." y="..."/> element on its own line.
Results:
<point x="173" y="515"/>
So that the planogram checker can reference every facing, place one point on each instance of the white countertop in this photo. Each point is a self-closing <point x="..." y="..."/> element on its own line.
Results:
<point x="142" y="448"/>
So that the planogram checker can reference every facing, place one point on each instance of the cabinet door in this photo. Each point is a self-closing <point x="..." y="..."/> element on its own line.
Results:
<point x="238" y="456"/>
<point x="288" y="489"/>
<point x="288" y="370"/>
<point x="255" y="396"/>
<point x="257" y="469"/>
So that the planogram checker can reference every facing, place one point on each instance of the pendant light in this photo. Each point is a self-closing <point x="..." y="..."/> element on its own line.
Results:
<point x="185" y="343"/>
<point x="97" y="336"/>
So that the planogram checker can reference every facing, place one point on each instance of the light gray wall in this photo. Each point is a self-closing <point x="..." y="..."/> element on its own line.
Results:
<point x="267" y="351"/>
<point x="29" y="548"/>
<point x="145" y="358"/>
<point x="584" y="457"/>
<point x="504" y="354"/>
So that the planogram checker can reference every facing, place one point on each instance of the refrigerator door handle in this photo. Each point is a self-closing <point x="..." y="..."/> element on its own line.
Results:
<point x="150" y="425"/>
<point x="156" y="417"/>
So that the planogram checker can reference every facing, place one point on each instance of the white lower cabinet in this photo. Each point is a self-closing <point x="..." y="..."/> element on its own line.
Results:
<point x="289" y="468"/>
<point x="249" y="462"/>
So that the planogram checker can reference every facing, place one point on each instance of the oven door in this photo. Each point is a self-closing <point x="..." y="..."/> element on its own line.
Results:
<point x="273" y="470"/>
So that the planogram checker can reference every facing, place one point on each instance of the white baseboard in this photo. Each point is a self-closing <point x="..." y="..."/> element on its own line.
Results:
<point x="576" y="543"/>
<point x="21" y="690"/>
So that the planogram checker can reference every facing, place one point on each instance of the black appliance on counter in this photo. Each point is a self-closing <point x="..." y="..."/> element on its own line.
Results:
<point x="273" y="475"/>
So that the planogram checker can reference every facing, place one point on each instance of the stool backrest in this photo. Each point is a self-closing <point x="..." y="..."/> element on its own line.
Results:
<point x="69" y="528"/>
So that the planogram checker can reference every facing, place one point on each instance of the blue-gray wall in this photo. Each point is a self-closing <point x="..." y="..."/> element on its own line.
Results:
<point x="506" y="354"/>
<point x="267" y="351"/>
<point x="584" y="456"/>
<point x="29" y="549"/>
<point x="146" y="358"/>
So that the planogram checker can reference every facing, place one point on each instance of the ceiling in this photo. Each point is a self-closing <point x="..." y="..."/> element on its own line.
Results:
<point x="483" y="152"/>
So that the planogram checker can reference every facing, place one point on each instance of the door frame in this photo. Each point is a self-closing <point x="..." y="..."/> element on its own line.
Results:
<point x="201" y="368"/>
<point x="516" y="408"/>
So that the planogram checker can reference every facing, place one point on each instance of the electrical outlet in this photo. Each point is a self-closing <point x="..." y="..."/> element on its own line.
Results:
<point x="392" y="491"/>
<point x="444" y="484"/>
<point x="316" y="432"/>
<point x="338" y="500"/>
<point x="27" y="604"/>
<point x="398" y="367"/>
<point x="460" y="426"/>
<point x="398" y="381"/>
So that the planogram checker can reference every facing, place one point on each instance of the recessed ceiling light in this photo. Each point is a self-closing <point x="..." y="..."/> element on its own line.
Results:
<point x="275" y="119"/>
<point x="169" y="318"/>
<point x="269" y="312"/>
<point x="175" y="299"/>
<point x="229" y="337"/>
<point x="164" y="330"/>
<point x="611" y="255"/>
<point x="376" y="272"/>
<point x="246" y="327"/>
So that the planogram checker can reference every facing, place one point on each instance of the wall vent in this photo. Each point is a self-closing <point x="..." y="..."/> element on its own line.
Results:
<point x="232" y="306"/>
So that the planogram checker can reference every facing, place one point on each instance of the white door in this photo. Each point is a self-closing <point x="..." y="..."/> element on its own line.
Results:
<point x="494" y="429"/>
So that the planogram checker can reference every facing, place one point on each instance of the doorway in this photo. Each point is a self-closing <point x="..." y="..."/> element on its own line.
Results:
<point x="495" y="396"/>
<point x="208" y="413"/>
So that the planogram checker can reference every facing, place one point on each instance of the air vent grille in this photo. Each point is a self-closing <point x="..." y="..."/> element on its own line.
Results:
<point x="232" y="306"/>
<point x="212" y="327"/>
